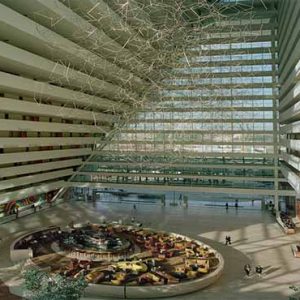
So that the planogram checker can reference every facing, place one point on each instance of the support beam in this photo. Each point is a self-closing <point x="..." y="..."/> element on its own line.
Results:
<point x="30" y="108"/>
<point x="98" y="13"/>
<point x="36" y="126"/>
<point x="179" y="188"/>
<point x="23" y="142"/>
<point x="39" y="167"/>
<point x="27" y="34"/>
<point x="57" y="17"/>
<point x="40" y="90"/>
<point x="32" y="179"/>
<point x="23" y="157"/>
<point x="136" y="17"/>
<point x="16" y="60"/>
<point x="31" y="191"/>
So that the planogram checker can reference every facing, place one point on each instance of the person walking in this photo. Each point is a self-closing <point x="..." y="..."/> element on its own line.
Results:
<point x="247" y="269"/>
<point x="226" y="205"/>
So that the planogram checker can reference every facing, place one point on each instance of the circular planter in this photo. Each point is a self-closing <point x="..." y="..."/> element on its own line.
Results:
<point x="125" y="290"/>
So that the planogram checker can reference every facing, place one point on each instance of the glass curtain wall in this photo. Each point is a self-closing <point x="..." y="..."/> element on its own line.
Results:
<point x="213" y="121"/>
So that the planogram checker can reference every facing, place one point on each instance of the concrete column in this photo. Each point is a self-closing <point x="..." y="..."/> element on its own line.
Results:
<point x="275" y="124"/>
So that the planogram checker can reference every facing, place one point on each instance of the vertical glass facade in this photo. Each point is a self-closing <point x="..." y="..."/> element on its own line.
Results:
<point x="215" y="112"/>
<point x="213" y="121"/>
<point x="218" y="99"/>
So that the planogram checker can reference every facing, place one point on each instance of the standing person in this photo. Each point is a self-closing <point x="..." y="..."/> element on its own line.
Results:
<point x="247" y="269"/>
<point x="228" y="240"/>
<point x="134" y="206"/>
<point x="71" y="224"/>
<point x="259" y="270"/>
<point x="17" y="211"/>
<point x="236" y="203"/>
<point x="226" y="205"/>
<point x="125" y="294"/>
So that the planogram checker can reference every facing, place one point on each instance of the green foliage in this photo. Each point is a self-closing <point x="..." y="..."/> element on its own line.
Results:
<point x="42" y="286"/>
<point x="34" y="278"/>
<point x="69" y="240"/>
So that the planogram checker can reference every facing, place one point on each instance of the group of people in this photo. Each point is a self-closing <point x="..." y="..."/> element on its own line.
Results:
<point x="287" y="220"/>
<point x="247" y="267"/>
<point x="236" y="204"/>
<point x="258" y="269"/>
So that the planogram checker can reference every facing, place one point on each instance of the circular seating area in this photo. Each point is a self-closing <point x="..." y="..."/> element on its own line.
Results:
<point x="124" y="259"/>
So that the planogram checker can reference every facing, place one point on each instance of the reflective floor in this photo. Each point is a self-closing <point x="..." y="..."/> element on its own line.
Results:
<point x="256" y="238"/>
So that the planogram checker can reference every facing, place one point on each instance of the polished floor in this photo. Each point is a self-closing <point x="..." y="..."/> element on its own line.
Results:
<point x="256" y="238"/>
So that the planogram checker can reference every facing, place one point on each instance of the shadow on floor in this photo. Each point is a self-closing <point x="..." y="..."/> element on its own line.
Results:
<point x="5" y="294"/>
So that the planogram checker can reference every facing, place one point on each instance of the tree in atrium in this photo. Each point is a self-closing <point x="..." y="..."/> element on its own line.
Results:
<point x="41" y="286"/>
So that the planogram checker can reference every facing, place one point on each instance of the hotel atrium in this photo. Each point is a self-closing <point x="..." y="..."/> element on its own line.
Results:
<point x="177" y="115"/>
